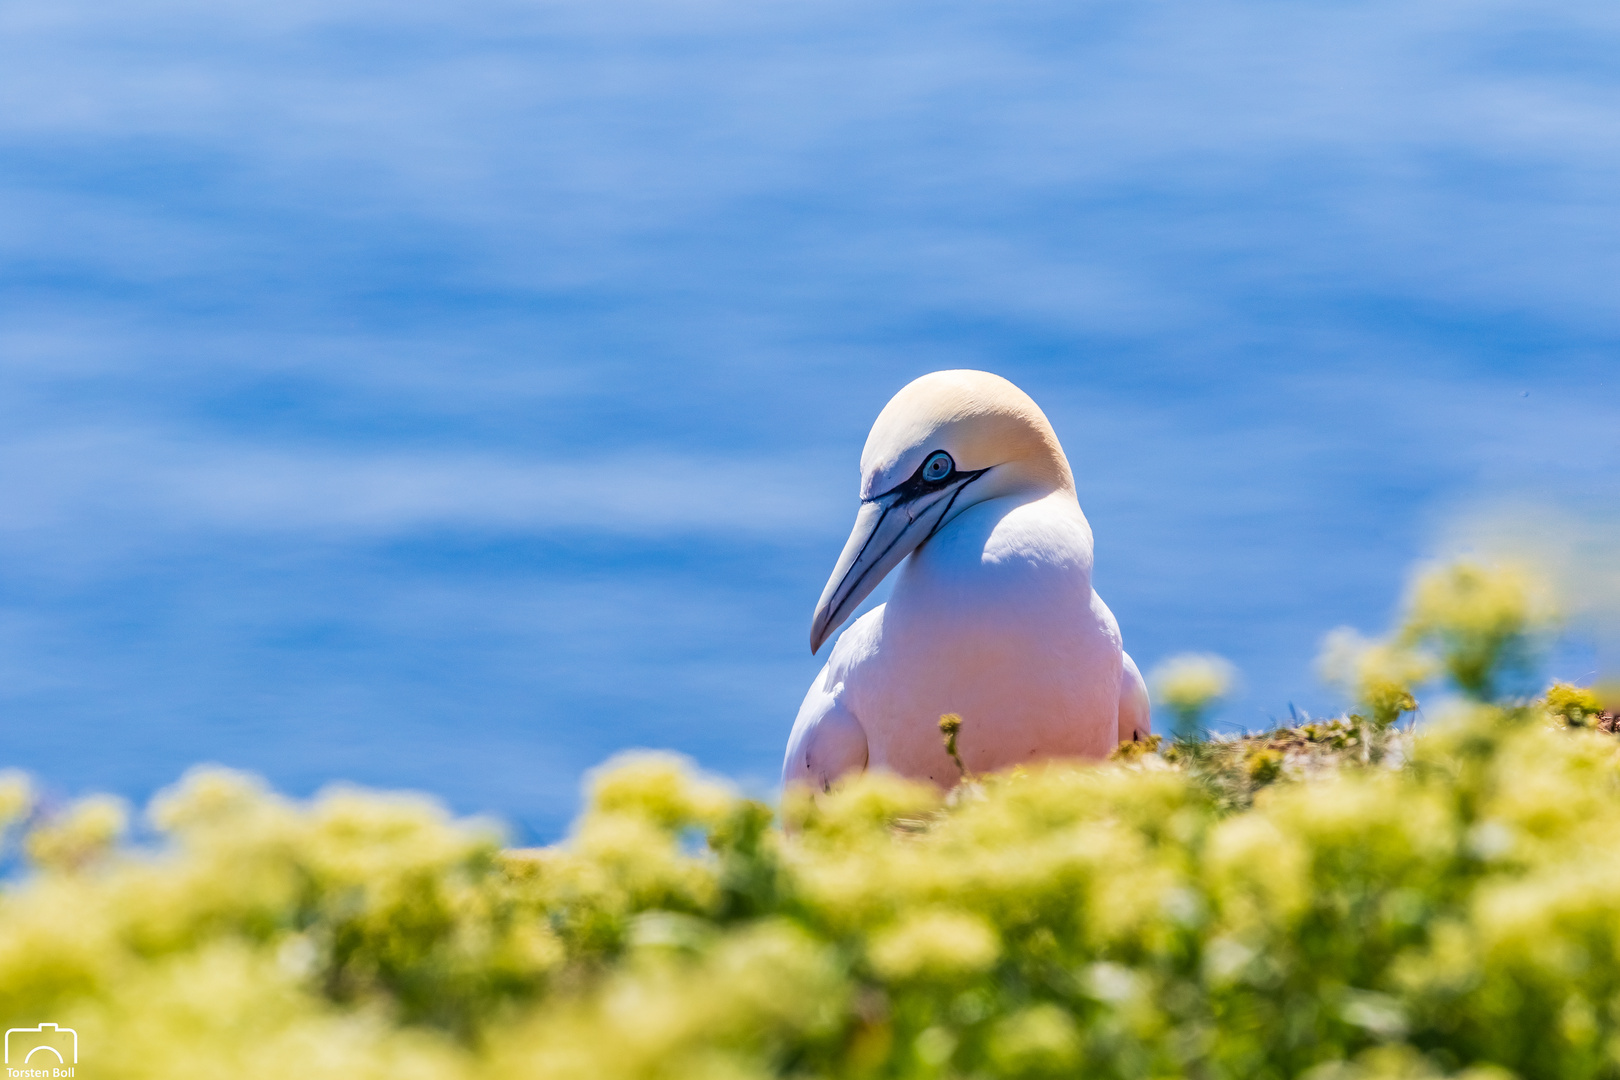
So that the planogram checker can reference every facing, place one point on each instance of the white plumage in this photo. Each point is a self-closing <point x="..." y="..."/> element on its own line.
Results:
<point x="992" y="617"/>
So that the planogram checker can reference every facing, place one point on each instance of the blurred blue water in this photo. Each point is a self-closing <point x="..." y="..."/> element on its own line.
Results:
<point x="450" y="396"/>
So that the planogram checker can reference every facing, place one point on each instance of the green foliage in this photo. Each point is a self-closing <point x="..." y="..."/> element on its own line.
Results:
<point x="1576" y="706"/>
<point x="1232" y="771"/>
<point x="1189" y="686"/>
<point x="1379" y="676"/>
<point x="950" y="726"/>
<point x="1485" y="620"/>
<point x="1342" y="900"/>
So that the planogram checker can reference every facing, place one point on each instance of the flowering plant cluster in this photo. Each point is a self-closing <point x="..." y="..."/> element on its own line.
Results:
<point x="1341" y="900"/>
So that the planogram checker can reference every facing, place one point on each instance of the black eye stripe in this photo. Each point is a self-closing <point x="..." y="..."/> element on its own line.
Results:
<point x="922" y="482"/>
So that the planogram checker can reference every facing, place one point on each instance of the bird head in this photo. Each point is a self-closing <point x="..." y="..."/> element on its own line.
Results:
<point x="945" y="442"/>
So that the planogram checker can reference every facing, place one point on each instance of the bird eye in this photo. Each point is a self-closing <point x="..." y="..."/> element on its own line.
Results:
<point x="937" y="467"/>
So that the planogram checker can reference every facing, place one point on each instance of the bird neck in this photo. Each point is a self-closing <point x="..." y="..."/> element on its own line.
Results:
<point x="1032" y="476"/>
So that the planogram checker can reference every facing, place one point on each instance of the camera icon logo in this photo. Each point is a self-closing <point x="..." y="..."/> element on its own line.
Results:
<point x="43" y="1047"/>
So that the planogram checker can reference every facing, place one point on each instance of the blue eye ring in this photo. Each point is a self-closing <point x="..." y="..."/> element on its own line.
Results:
<point x="938" y="466"/>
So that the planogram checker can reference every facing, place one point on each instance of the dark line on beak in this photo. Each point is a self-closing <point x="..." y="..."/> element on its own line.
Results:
<point x="846" y="587"/>
<point x="870" y="537"/>
<point x="852" y="586"/>
<point x="947" y="511"/>
<point x="868" y="568"/>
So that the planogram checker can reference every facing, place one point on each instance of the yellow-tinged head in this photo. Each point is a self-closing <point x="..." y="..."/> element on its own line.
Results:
<point x="982" y="421"/>
<point x="945" y="442"/>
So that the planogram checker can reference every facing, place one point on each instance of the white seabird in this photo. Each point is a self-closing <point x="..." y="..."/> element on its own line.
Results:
<point x="992" y="618"/>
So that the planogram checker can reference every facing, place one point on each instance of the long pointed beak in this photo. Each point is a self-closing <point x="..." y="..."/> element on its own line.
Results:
<point x="887" y="529"/>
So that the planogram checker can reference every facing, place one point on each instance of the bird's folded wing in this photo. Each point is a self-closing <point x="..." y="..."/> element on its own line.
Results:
<point x="827" y="741"/>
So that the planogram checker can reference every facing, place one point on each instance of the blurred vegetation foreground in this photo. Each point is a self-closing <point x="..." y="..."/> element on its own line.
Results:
<point x="1344" y="899"/>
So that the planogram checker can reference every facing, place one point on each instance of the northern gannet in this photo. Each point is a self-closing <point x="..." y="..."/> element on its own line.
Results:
<point x="993" y="616"/>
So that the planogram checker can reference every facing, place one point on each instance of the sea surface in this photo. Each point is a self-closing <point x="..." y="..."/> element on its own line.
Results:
<point x="450" y="396"/>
